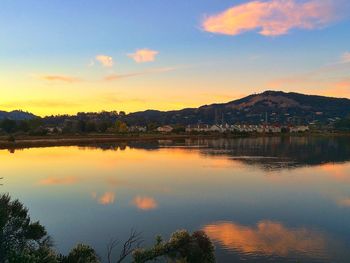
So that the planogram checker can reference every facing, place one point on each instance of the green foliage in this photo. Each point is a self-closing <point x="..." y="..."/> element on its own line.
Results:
<point x="11" y="138"/>
<point x="17" y="233"/>
<point x="9" y="126"/>
<point x="179" y="128"/>
<point x="152" y="126"/>
<point x="81" y="253"/>
<point x="343" y="125"/>
<point x="182" y="247"/>
<point x="121" y="126"/>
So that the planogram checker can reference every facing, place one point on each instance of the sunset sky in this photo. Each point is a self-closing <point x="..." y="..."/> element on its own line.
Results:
<point x="66" y="56"/>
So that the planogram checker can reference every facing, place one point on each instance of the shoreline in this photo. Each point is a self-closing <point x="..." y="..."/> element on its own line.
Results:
<point x="22" y="142"/>
<point x="85" y="140"/>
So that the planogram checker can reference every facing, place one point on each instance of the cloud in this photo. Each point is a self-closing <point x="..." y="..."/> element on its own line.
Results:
<point x="105" y="61"/>
<point x="62" y="78"/>
<point x="106" y="199"/>
<point x="144" y="55"/>
<point x="68" y="180"/>
<point x="40" y="104"/>
<point x="145" y="203"/>
<point x="266" y="238"/>
<point x="272" y="18"/>
<point x="134" y="74"/>
<point x="345" y="58"/>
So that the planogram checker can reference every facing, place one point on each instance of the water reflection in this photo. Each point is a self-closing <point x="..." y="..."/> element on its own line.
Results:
<point x="344" y="202"/>
<point x="300" y="184"/>
<point x="67" y="180"/>
<point x="268" y="238"/>
<point x="269" y="153"/>
<point x="105" y="199"/>
<point x="145" y="203"/>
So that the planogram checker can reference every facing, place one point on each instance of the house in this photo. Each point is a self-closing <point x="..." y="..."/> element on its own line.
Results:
<point x="296" y="129"/>
<point x="215" y="128"/>
<point x="198" y="128"/>
<point x="137" y="129"/>
<point x="165" y="128"/>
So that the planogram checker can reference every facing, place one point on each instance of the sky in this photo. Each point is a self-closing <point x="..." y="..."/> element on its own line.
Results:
<point x="68" y="56"/>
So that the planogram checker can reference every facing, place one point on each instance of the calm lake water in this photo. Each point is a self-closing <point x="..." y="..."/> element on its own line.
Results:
<point x="259" y="199"/>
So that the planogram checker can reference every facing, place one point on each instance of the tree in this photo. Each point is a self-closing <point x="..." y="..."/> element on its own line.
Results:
<point x="181" y="247"/>
<point x="129" y="246"/>
<point x="23" y="126"/>
<point x="343" y="125"/>
<point x="18" y="235"/>
<point x="121" y="126"/>
<point x="90" y="126"/>
<point x="81" y="126"/>
<point x="81" y="253"/>
<point x="8" y="125"/>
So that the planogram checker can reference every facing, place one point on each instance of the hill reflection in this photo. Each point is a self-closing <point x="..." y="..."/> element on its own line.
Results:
<point x="268" y="153"/>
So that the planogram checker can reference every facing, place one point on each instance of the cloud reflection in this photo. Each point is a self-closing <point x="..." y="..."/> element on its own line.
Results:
<point x="266" y="238"/>
<point x="344" y="202"/>
<point x="105" y="199"/>
<point x="145" y="203"/>
<point x="68" y="180"/>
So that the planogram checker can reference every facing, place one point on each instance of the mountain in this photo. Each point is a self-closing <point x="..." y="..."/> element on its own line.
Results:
<point x="16" y="115"/>
<point x="271" y="106"/>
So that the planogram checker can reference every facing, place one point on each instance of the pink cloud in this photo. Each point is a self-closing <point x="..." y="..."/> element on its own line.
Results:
<point x="272" y="18"/>
<point x="106" y="61"/>
<point x="112" y="77"/>
<point x="144" y="55"/>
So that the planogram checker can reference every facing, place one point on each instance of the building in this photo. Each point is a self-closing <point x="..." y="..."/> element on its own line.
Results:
<point x="137" y="129"/>
<point x="165" y="128"/>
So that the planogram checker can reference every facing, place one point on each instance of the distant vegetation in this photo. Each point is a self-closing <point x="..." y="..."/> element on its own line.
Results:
<point x="24" y="241"/>
<point x="270" y="107"/>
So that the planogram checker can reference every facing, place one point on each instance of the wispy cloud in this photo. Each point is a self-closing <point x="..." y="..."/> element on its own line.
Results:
<point x="345" y="58"/>
<point x="134" y="74"/>
<point x="144" y="55"/>
<point x="272" y="18"/>
<point x="41" y="103"/>
<point x="105" y="60"/>
<point x="331" y="79"/>
<point x="61" y="78"/>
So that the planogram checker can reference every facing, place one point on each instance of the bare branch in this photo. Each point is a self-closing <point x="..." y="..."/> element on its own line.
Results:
<point x="134" y="241"/>
<point x="110" y="247"/>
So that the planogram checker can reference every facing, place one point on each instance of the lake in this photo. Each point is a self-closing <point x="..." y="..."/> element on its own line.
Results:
<point x="273" y="199"/>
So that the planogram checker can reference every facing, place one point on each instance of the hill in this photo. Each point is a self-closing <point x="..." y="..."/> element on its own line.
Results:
<point x="16" y="115"/>
<point x="273" y="106"/>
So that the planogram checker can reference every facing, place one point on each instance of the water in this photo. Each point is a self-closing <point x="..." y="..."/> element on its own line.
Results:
<point x="259" y="199"/>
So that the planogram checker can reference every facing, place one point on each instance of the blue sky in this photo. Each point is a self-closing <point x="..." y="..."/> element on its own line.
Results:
<point x="48" y="52"/>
